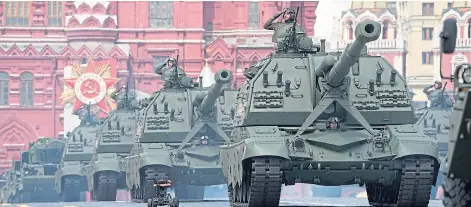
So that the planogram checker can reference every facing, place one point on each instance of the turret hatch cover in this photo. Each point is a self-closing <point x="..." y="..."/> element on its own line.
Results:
<point x="339" y="141"/>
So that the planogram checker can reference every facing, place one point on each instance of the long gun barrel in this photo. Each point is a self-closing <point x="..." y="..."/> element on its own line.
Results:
<point x="365" y="32"/>
<point x="221" y="77"/>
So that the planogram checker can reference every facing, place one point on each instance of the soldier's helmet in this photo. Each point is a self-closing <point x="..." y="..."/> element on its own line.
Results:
<point x="437" y="85"/>
<point x="291" y="12"/>
<point x="173" y="61"/>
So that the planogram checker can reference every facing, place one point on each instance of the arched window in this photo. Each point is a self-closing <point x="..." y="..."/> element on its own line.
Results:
<point x="27" y="90"/>
<point x="469" y="28"/>
<point x="385" y="30"/>
<point x="239" y="64"/>
<point x="350" y="30"/>
<point x="4" y="88"/>
<point x="84" y="61"/>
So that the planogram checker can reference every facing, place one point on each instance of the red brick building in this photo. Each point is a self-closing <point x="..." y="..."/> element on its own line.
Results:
<point x="39" y="39"/>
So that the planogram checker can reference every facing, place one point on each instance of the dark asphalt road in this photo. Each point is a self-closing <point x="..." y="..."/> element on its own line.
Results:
<point x="290" y="202"/>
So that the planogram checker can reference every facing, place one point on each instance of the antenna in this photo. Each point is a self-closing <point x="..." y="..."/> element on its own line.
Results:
<point x="89" y="113"/>
<point x="293" y="36"/>
<point x="176" y="69"/>
<point x="126" y="91"/>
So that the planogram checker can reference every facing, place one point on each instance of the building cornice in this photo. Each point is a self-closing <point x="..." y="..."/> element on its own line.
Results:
<point x="194" y="41"/>
<point x="16" y="106"/>
<point x="65" y="29"/>
<point x="436" y="50"/>
<point x="64" y="40"/>
<point x="239" y="32"/>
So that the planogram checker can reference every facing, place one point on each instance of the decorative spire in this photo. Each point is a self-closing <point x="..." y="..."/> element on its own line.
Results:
<point x="207" y="74"/>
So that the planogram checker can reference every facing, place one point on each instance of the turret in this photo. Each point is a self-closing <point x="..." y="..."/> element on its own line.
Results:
<point x="365" y="32"/>
<point x="44" y="150"/>
<point x="206" y="101"/>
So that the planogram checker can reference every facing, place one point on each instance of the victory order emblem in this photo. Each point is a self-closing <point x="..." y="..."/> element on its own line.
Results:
<point x="92" y="85"/>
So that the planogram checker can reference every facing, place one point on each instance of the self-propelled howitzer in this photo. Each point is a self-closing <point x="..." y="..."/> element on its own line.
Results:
<point x="206" y="100"/>
<point x="37" y="168"/>
<point x="179" y="136"/>
<point x="71" y="180"/>
<point x="105" y="173"/>
<point x="364" y="33"/>
<point x="328" y="119"/>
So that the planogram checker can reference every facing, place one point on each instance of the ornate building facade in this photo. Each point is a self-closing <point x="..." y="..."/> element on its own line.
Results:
<point x="420" y="23"/>
<point x="389" y="45"/>
<point x="461" y="12"/>
<point x="40" y="41"/>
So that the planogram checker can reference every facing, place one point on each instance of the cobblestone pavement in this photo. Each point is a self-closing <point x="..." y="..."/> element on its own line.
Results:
<point x="290" y="202"/>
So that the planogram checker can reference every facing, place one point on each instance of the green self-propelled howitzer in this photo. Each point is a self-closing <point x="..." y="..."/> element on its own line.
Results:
<point x="71" y="180"/>
<point x="435" y="122"/>
<point x="180" y="130"/>
<point x="332" y="119"/>
<point x="32" y="178"/>
<point x="105" y="172"/>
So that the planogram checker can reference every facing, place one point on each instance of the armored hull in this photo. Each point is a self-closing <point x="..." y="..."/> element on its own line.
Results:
<point x="71" y="177"/>
<point x="435" y="122"/>
<point x="180" y="131"/>
<point x="105" y="173"/>
<point x="328" y="119"/>
<point x="35" y="173"/>
<point x="39" y="188"/>
<point x="419" y="107"/>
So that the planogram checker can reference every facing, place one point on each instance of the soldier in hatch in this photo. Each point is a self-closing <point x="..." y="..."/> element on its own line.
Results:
<point x="282" y="28"/>
<point x="87" y="116"/>
<point x="167" y="71"/>
<point x="437" y="96"/>
<point x="115" y="94"/>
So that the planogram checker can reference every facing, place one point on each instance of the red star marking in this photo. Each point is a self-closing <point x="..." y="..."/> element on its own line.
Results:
<point x="91" y="69"/>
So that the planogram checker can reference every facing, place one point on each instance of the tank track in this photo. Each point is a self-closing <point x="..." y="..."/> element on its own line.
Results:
<point x="71" y="189"/>
<point x="106" y="186"/>
<point x="457" y="192"/>
<point x="261" y="184"/>
<point x="413" y="189"/>
<point x="189" y="192"/>
<point x="146" y="190"/>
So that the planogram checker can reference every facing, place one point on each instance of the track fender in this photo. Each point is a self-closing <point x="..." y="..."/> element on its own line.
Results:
<point x="262" y="141"/>
<point x="155" y="159"/>
<point x="67" y="170"/>
<point x="406" y="141"/>
<point x="106" y="166"/>
<point x="265" y="147"/>
<point x="134" y="164"/>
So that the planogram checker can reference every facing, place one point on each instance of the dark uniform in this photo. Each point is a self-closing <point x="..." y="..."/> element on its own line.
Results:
<point x="437" y="96"/>
<point x="168" y="73"/>
<point x="282" y="28"/>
